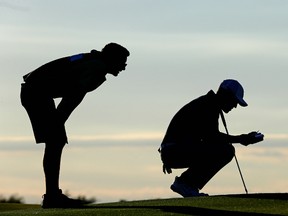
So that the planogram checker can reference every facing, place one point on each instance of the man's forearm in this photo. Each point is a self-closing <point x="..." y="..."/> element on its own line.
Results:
<point x="67" y="105"/>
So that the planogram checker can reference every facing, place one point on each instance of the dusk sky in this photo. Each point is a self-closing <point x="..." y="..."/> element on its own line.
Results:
<point x="179" y="51"/>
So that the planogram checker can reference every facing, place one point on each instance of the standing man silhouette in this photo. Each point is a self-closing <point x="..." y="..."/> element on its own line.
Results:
<point x="68" y="78"/>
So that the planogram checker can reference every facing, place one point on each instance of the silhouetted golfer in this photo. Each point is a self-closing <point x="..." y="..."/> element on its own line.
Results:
<point x="193" y="139"/>
<point x="69" y="78"/>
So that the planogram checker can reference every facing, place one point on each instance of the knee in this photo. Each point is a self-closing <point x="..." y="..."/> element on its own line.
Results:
<point x="54" y="146"/>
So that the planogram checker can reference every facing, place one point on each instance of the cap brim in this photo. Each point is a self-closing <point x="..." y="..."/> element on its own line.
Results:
<point x="242" y="102"/>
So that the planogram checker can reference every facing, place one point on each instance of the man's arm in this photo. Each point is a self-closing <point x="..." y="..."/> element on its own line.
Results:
<point x="222" y="137"/>
<point x="68" y="104"/>
<point x="244" y="139"/>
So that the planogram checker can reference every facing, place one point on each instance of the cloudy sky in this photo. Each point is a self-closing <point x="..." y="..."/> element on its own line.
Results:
<point x="179" y="51"/>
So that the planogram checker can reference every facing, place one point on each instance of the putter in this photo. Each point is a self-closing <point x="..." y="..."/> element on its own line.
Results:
<point x="225" y="125"/>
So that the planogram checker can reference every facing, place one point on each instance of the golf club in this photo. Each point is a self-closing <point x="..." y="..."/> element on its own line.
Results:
<point x="225" y="125"/>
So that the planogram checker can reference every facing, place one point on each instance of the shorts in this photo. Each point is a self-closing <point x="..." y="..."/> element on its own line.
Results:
<point x="42" y="113"/>
<point x="184" y="156"/>
<point x="175" y="156"/>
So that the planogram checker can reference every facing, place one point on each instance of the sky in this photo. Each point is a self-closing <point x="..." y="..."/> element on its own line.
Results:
<point x="179" y="51"/>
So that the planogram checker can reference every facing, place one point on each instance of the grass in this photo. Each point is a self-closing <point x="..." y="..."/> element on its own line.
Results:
<point x="234" y="205"/>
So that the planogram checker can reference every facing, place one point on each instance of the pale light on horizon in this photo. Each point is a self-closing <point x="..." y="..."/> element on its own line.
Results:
<point x="121" y="137"/>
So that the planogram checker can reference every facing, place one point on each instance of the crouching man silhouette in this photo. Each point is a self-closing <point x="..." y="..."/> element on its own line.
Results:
<point x="193" y="139"/>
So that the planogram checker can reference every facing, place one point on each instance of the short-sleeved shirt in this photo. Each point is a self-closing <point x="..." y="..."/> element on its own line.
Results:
<point x="77" y="74"/>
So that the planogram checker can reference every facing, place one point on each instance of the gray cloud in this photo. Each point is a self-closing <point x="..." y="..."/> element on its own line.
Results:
<point x="13" y="6"/>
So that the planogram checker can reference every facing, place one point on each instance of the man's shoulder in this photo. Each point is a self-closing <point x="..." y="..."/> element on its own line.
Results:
<point x="211" y="94"/>
<point x="201" y="101"/>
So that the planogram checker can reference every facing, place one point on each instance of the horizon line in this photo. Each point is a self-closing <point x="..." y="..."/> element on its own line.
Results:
<point x="120" y="136"/>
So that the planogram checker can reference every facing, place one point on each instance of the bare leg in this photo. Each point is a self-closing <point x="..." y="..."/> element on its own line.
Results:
<point x="51" y="166"/>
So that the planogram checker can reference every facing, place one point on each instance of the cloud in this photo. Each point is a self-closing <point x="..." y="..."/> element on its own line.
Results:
<point x="4" y="139"/>
<point x="13" y="6"/>
<point x="101" y="137"/>
<point x="276" y="136"/>
<point x="120" y="136"/>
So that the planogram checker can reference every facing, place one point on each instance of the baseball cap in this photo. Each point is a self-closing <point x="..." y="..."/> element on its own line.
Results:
<point x="236" y="89"/>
